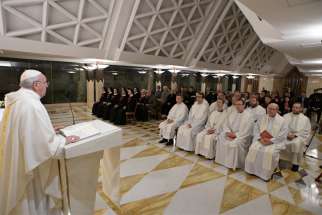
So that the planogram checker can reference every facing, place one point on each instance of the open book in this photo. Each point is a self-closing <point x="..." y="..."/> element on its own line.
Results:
<point x="82" y="130"/>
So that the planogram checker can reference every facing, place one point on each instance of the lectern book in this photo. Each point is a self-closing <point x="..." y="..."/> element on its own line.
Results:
<point x="83" y="130"/>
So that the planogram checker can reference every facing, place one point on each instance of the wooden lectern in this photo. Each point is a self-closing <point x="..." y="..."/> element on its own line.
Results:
<point x="80" y="169"/>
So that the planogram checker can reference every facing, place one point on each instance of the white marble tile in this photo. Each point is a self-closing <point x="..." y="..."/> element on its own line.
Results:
<point x="240" y="176"/>
<point x="110" y="212"/>
<point x="203" y="199"/>
<point x="128" y="152"/>
<point x="100" y="203"/>
<point x="156" y="183"/>
<point x="261" y="205"/>
<point x="284" y="194"/>
<point x="141" y="165"/>
<point x="206" y="163"/>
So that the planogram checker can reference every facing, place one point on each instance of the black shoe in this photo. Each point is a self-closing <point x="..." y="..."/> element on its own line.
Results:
<point x="163" y="141"/>
<point x="295" y="168"/>
<point x="170" y="142"/>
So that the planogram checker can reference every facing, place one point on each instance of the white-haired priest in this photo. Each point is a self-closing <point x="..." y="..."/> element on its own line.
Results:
<point x="235" y="137"/>
<point x="176" y="117"/>
<point x="206" y="139"/>
<point x="186" y="137"/>
<point x="299" y="128"/>
<point x="29" y="177"/>
<point x="269" y="139"/>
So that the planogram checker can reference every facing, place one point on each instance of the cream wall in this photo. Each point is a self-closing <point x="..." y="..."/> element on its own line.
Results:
<point x="313" y="83"/>
<point x="266" y="82"/>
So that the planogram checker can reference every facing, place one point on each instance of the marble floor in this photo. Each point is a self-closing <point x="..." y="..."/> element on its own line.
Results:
<point x="155" y="180"/>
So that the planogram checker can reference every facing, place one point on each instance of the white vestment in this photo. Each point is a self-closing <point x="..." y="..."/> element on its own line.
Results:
<point x="178" y="114"/>
<point x="214" y="107"/>
<point x="29" y="176"/>
<point x="186" y="136"/>
<point x="258" y="112"/>
<point x="232" y="152"/>
<point x="300" y="125"/>
<point x="206" y="143"/>
<point x="263" y="159"/>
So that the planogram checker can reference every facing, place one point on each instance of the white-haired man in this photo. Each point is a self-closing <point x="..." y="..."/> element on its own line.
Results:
<point x="29" y="179"/>
<point x="269" y="139"/>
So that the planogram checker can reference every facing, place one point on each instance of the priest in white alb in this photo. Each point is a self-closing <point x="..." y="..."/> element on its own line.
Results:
<point x="29" y="177"/>
<point x="176" y="117"/>
<point x="269" y="139"/>
<point x="235" y="137"/>
<point x="186" y="137"/>
<point x="213" y="106"/>
<point x="255" y="109"/>
<point x="206" y="139"/>
<point x="299" y="128"/>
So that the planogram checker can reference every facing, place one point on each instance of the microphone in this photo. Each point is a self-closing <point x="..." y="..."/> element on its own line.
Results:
<point x="68" y="96"/>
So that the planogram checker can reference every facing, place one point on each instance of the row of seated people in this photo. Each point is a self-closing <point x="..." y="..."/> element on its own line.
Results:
<point x="238" y="137"/>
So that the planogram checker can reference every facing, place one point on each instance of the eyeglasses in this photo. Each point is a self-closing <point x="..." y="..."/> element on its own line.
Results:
<point x="43" y="82"/>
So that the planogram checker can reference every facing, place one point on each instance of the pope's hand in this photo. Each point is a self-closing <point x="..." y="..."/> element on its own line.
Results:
<point x="72" y="139"/>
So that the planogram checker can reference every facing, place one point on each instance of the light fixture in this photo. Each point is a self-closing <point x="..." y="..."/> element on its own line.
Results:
<point x="204" y="74"/>
<point x="174" y="70"/>
<point x="90" y="67"/>
<point x="159" y="71"/>
<point x="102" y="66"/>
<point x="250" y="77"/>
<point x="235" y="76"/>
<point x="315" y="70"/>
<point x="71" y="72"/>
<point x="142" y="72"/>
<point x="220" y="74"/>
<point x="184" y="75"/>
<point x="114" y="73"/>
<point x="5" y="63"/>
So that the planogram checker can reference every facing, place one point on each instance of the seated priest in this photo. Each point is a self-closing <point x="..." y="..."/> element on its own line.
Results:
<point x="235" y="137"/>
<point x="187" y="132"/>
<point x="255" y="109"/>
<point x="214" y="105"/>
<point x="29" y="174"/>
<point x="269" y="138"/>
<point x="176" y="117"/>
<point x="141" y="111"/>
<point x="206" y="139"/>
<point x="299" y="128"/>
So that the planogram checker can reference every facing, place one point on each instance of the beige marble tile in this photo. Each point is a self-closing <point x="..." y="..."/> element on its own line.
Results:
<point x="290" y="176"/>
<point x="108" y="201"/>
<point x="296" y="194"/>
<point x="281" y="207"/>
<point x="128" y="182"/>
<point x="200" y="174"/>
<point x="273" y="185"/>
<point x="172" y="161"/>
<point x="237" y="193"/>
<point x="152" y="150"/>
<point x="150" y="206"/>
<point x="134" y="142"/>
<point x="100" y="212"/>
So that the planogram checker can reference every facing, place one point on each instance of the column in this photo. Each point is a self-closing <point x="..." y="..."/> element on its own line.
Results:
<point x="174" y="84"/>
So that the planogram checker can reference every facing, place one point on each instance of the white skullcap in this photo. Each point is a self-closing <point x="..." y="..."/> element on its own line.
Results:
<point x="29" y="73"/>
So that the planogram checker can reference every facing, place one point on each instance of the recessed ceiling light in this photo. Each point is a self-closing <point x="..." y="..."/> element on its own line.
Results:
<point x="5" y="63"/>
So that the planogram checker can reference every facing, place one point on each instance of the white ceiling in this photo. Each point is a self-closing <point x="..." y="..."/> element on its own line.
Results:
<point x="198" y="34"/>
<point x="294" y="27"/>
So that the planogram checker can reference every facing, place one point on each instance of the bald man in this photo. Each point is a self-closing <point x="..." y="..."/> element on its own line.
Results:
<point x="268" y="140"/>
<point x="29" y="179"/>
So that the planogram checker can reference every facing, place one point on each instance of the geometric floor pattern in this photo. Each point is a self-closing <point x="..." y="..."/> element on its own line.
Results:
<point x="155" y="180"/>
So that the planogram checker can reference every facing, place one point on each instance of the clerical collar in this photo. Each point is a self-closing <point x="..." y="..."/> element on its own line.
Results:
<point x="220" y="111"/>
<point x="254" y="106"/>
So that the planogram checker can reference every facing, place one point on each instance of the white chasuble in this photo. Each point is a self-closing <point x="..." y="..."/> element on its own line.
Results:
<point x="186" y="136"/>
<point x="206" y="143"/>
<point x="232" y="152"/>
<point x="178" y="114"/>
<point x="263" y="159"/>
<point x="29" y="177"/>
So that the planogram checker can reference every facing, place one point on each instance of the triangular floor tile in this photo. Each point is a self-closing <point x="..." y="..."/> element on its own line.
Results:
<point x="284" y="194"/>
<point x="237" y="193"/>
<point x="280" y="206"/>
